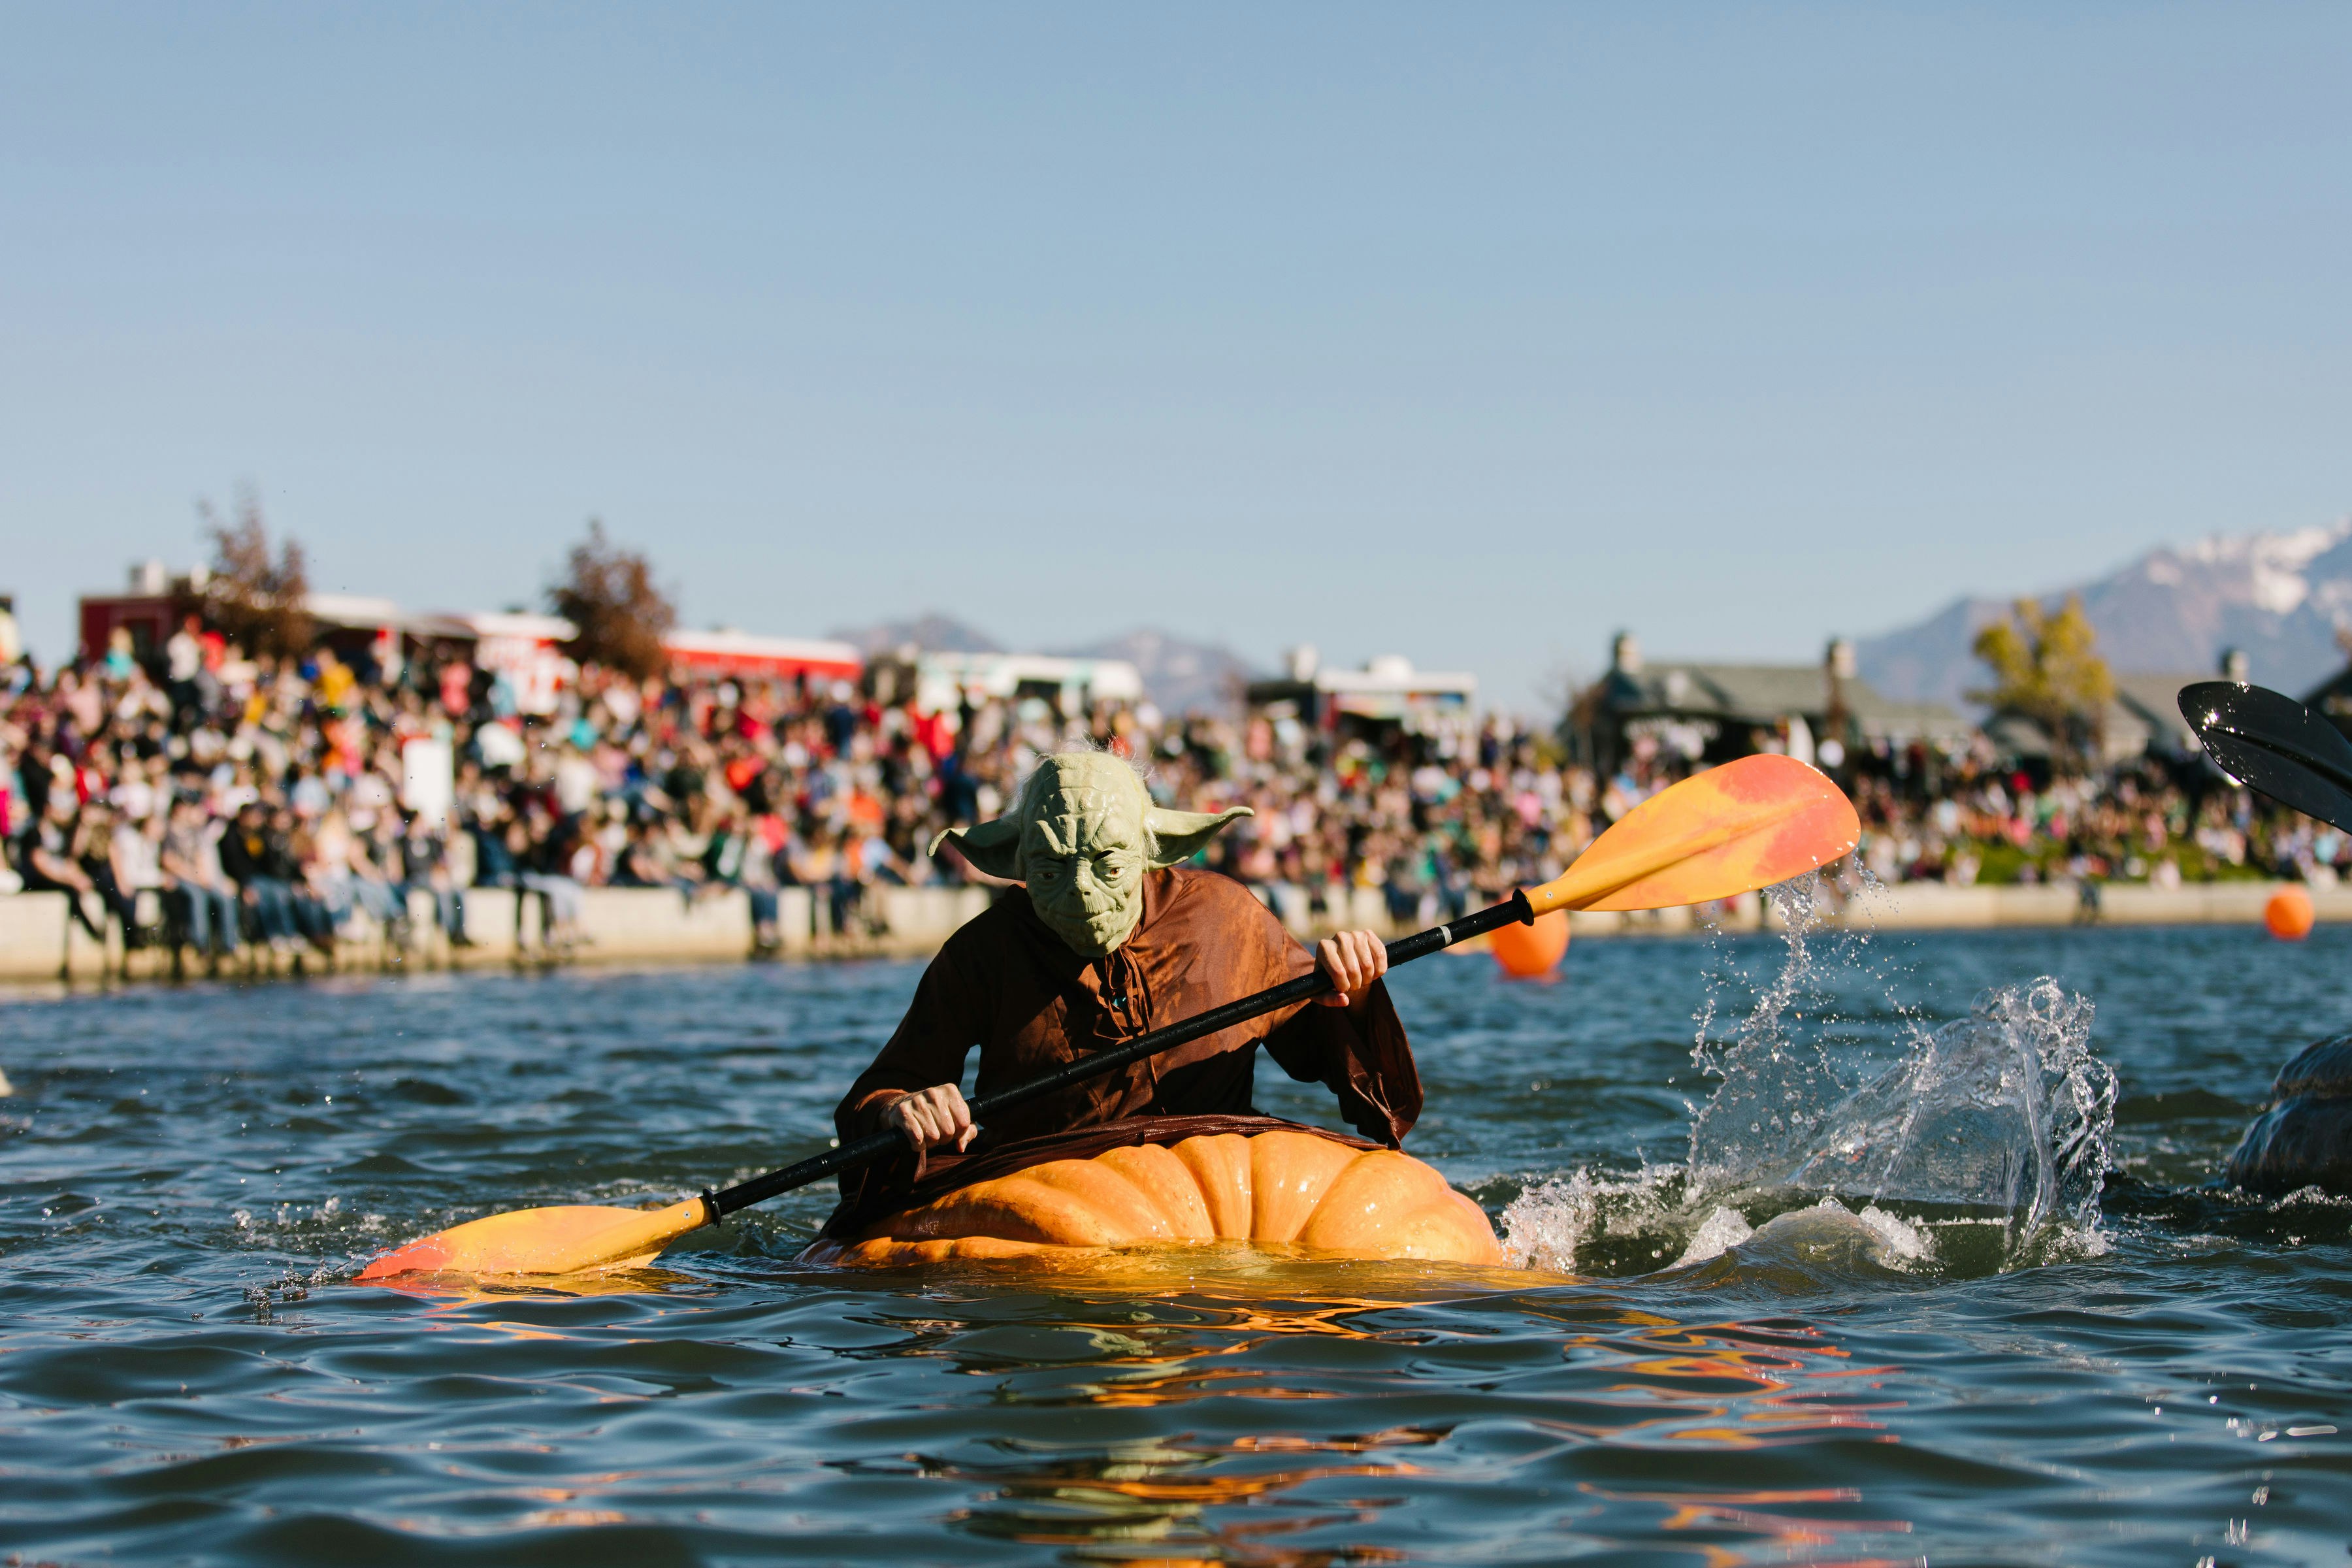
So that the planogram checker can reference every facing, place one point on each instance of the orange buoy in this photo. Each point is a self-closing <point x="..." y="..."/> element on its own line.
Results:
<point x="2289" y="914"/>
<point x="1528" y="952"/>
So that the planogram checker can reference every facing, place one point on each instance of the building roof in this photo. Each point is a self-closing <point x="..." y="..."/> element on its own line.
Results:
<point x="727" y="648"/>
<point x="2333" y="696"/>
<point x="2142" y="717"/>
<point x="2015" y="735"/>
<point x="2149" y="704"/>
<point x="352" y="610"/>
<point x="1391" y="676"/>
<point x="521" y="625"/>
<point x="1002" y="674"/>
<point x="1387" y="688"/>
<point x="1763" y="694"/>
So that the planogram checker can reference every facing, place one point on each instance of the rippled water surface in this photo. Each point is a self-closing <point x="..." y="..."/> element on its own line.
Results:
<point x="188" y="1178"/>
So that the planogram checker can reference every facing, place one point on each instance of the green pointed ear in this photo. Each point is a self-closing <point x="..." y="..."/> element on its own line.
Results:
<point x="1177" y="836"/>
<point x="994" y="847"/>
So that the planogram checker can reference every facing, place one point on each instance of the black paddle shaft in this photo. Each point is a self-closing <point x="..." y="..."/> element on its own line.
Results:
<point x="877" y="1146"/>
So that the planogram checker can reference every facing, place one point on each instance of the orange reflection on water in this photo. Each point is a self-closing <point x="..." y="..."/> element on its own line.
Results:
<point x="1152" y="1492"/>
<point x="1763" y="1388"/>
<point x="1745" y="1510"/>
<point x="1634" y="1379"/>
<point x="1388" y="1437"/>
<point x="1166" y="1364"/>
<point x="444" y="1290"/>
<point x="1228" y="1489"/>
<point x="449" y="1299"/>
<point x="1790" y="1539"/>
<point x="1749" y="1387"/>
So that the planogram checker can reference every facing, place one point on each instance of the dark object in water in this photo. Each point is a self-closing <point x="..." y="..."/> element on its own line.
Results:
<point x="2304" y="1137"/>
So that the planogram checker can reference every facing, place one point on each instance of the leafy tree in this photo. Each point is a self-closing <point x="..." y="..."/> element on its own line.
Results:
<point x="258" y="603"/>
<point x="608" y="593"/>
<point x="2045" y="668"/>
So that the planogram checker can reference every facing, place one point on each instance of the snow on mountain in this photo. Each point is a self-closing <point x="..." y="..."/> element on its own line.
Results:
<point x="933" y="633"/>
<point x="2279" y="596"/>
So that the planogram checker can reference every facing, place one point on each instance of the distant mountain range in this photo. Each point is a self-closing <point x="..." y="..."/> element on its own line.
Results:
<point x="2280" y="598"/>
<point x="1181" y="676"/>
<point x="931" y="633"/>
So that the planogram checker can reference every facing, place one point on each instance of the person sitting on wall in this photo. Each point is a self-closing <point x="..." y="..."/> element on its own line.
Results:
<point x="204" y="897"/>
<point x="52" y="864"/>
<point x="253" y="855"/>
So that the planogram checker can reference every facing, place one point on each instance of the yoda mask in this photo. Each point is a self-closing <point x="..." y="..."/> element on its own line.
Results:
<point x="1082" y="835"/>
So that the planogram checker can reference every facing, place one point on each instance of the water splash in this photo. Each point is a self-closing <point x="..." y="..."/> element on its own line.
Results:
<point x="2006" y="1112"/>
<point x="1721" y="1231"/>
<point x="1794" y="1046"/>
<point x="1982" y="1144"/>
<point x="1887" y="1241"/>
<point x="1567" y="1225"/>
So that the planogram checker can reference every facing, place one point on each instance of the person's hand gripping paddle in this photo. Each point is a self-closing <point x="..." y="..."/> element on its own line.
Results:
<point x="2271" y="742"/>
<point x="1729" y="830"/>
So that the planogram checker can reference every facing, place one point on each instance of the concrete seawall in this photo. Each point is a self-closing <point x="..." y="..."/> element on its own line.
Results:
<point x="40" y="942"/>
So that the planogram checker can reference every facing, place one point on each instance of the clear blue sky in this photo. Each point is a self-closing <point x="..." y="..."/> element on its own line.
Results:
<point x="1469" y="333"/>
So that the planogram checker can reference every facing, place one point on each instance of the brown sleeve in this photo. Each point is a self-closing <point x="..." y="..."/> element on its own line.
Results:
<point x="928" y="1046"/>
<point x="1362" y="1054"/>
<point x="1359" y="1052"/>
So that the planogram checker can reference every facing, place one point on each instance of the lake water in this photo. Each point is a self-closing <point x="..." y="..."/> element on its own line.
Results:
<point x="188" y="1178"/>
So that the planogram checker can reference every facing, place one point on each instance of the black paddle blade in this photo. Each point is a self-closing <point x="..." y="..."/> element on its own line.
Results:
<point x="2273" y="743"/>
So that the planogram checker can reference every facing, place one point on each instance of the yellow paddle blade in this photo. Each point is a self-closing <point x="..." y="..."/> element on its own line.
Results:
<point x="1729" y="830"/>
<point x="563" y="1240"/>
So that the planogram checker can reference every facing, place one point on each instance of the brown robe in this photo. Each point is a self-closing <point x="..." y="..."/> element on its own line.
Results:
<point x="1011" y="987"/>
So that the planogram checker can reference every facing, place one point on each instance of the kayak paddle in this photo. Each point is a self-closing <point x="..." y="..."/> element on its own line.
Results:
<point x="1730" y="831"/>
<point x="2270" y="741"/>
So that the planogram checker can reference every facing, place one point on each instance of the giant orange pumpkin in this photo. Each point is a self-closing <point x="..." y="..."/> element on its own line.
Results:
<point x="1282" y="1189"/>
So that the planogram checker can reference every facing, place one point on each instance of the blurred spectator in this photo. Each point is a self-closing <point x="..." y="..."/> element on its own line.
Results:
<point x="207" y="905"/>
<point x="53" y="859"/>
<point x="134" y="865"/>
<point x="425" y="870"/>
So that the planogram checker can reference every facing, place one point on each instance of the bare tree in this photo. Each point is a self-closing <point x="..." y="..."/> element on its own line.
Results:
<point x="256" y="603"/>
<point x="608" y="593"/>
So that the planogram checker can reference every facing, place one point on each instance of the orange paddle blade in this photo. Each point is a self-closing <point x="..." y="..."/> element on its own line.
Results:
<point x="563" y="1240"/>
<point x="1729" y="830"/>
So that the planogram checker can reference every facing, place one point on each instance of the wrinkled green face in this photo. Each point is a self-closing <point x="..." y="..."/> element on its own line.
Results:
<point x="1084" y="850"/>
<point x="1082" y="835"/>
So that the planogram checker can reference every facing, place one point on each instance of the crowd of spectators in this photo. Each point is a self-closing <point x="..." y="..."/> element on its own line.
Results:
<point x="1971" y="817"/>
<point x="211" y="802"/>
